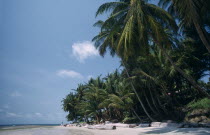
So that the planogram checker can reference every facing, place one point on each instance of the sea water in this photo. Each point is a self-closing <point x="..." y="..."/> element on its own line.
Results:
<point x="39" y="130"/>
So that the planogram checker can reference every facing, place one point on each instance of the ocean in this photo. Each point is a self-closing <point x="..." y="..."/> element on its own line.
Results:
<point x="20" y="125"/>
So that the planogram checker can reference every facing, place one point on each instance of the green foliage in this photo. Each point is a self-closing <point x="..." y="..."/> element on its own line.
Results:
<point x="99" y="99"/>
<point x="129" y="120"/>
<point x="191" y="13"/>
<point x="200" y="104"/>
<point x="157" y="63"/>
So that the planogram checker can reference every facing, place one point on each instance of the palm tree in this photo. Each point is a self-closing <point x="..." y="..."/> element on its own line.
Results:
<point x="69" y="105"/>
<point x="93" y="96"/>
<point x="132" y="26"/>
<point x="120" y="100"/>
<point x="110" y="30"/>
<point x="191" y="13"/>
<point x="111" y="80"/>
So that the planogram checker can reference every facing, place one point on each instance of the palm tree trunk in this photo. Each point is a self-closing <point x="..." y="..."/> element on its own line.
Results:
<point x="155" y="80"/>
<point x="153" y="101"/>
<point x="97" y="119"/>
<point x="149" y="104"/>
<point x="201" y="34"/>
<point x="189" y="78"/>
<point x="162" y="107"/>
<point x="136" y="114"/>
<point x="142" y="105"/>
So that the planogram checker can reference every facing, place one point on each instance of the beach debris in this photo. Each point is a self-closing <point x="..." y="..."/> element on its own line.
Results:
<point x="166" y="124"/>
<point x="132" y="125"/>
<point x="102" y="127"/>
<point x="155" y="124"/>
<point x="119" y="125"/>
<point x="107" y="122"/>
<point x="144" y="125"/>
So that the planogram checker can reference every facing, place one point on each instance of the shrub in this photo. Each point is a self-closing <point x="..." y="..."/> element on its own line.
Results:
<point x="200" y="104"/>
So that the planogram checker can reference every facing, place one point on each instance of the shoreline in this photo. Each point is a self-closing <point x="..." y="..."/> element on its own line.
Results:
<point x="55" y="130"/>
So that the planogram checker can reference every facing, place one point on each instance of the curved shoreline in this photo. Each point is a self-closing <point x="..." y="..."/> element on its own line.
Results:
<point x="119" y="131"/>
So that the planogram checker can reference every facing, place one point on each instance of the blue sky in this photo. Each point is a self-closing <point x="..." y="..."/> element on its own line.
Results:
<point x="45" y="51"/>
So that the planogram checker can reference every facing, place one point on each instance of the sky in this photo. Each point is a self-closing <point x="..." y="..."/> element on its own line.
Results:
<point x="45" y="51"/>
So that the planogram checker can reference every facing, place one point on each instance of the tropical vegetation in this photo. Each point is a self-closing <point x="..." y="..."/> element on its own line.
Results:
<point x="164" y="52"/>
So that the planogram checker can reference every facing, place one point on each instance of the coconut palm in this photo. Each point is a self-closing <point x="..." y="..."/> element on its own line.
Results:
<point x="110" y="32"/>
<point x="93" y="96"/>
<point x="111" y="80"/>
<point x="120" y="101"/>
<point x="132" y="26"/>
<point x="69" y="105"/>
<point x="191" y="13"/>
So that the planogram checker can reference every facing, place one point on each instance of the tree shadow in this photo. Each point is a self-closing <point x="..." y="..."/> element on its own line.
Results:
<point x="169" y="130"/>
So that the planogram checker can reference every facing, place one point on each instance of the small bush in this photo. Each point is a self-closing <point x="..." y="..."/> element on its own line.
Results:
<point x="200" y="104"/>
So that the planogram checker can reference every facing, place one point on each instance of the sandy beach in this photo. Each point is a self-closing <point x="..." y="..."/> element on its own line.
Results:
<point x="148" y="130"/>
<point x="119" y="131"/>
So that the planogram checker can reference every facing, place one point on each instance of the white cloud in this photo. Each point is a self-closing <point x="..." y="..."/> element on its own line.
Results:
<point x="38" y="114"/>
<point x="83" y="50"/>
<point x="16" y="94"/>
<point x="9" y="114"/>
<point x="69" y="73"/>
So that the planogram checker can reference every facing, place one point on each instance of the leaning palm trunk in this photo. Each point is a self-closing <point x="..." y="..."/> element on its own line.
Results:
<point x="142" y="105"/>
<point x="189" y="78"/>
<point x="150" y="106"/>
<point x="97" y="119"/>
<point x="162" y="106"/>
<point x="160" y="84"/>
<point x="155" y="80"/>
<point x="136" y="115"/>
<point x="153" y="101"/>
<point x="159" y="103"/>
<point x="201" y="34"/>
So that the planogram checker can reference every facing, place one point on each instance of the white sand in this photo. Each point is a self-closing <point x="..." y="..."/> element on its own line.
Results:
<point x="118" y="131"/>
<point x="147" y="130"/>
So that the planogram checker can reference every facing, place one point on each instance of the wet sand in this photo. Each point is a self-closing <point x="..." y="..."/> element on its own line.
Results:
<point x="119" y="131"/>
<point x="45" y="131"/>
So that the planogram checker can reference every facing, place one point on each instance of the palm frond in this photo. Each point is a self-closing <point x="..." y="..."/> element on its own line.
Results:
<point x="107" y="7"/>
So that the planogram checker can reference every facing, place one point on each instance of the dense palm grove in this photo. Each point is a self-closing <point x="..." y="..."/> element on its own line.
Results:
<point x="164" y="51"/>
